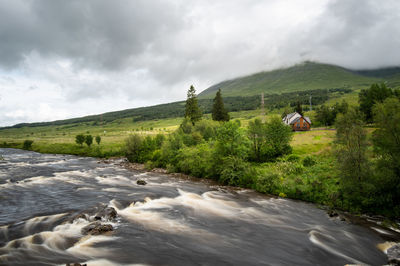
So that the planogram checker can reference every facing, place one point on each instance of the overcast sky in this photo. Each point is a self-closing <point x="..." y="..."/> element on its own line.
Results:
<point x="62" y="59"/>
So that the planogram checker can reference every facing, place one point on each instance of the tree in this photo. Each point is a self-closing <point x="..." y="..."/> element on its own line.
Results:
<point x="89" y="140"/>
<point x="192" y="110"/>
<point x="368" y="97"/>
<point x="218" y="110"/>
<point x="80" y="139"/>
<point x="298" y="108"/>
<point x="350" y="150"/>
<point x="386" y="140"/>
<point x="277" y="139"/>
<point x="270" y="140"/>
<point x="27" y="144"/>
<point x="256" y="132"/>
<point x="98" y="139"/>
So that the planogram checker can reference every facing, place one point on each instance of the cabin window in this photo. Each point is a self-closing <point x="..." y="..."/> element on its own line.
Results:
<point x="298" y="125"/>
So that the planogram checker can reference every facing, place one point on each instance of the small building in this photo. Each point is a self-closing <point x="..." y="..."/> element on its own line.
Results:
<point x="297" y="121"/>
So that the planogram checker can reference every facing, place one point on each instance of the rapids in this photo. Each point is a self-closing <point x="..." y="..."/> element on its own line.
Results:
<point x="169" y="221"/>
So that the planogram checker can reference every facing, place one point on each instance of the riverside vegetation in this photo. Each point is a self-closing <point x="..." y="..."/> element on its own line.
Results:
<point x="360" y="174"/>
<point x="316" y="166"/>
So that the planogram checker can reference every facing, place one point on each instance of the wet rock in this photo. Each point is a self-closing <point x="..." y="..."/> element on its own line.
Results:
<point x="75" y="264"/>
<point x="80" y="216"/>
<point x="393" y="254"/>
<point x="96" y="228"/>
<point x="141" y="182"/>
<point x="332" y="213"/>
<point x="107" y="213"/>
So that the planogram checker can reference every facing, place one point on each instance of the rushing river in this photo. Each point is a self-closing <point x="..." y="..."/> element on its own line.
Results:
<point x="46" y="201"/>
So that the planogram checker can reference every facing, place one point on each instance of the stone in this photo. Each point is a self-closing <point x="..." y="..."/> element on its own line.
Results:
<point x="96" y="228"/>
<point x="107" y="213"/>
<point x="141" y="182"/>
<point x="393" y="254"/>
<point x="332" y="213"/>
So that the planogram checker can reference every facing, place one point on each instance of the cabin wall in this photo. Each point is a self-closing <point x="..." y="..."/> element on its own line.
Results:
<point x="301" y="125"/>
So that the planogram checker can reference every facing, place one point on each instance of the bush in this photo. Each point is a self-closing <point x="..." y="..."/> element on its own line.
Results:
<point x="27" y="144"/>
<point x="89" y="140"/>
<point x="234" y="172"/>
<point x="293" y="158"/>
<point x="267" y="182"/>
<point x="133" y="148"/>
<point x="98" y="139"/>
<point x="80" y="139"/>
<point x="195" y="161"/>
<point x="309" y="161"/>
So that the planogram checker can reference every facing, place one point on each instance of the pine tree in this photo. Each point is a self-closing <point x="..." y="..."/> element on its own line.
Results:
<point x="218" y="111"/>
<point x="192" y="110"/>
<point x="298" y="108"/>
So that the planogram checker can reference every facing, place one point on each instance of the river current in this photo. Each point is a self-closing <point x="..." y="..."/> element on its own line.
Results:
<point x="46" y="201"/>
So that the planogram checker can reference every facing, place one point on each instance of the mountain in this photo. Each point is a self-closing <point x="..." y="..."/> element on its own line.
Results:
<point x="281" y="86"/>
<point x="303" y="77"/>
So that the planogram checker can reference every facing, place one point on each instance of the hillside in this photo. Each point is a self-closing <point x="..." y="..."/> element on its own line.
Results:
<point x="282" y="87"/>
<point x="303" y="77"/>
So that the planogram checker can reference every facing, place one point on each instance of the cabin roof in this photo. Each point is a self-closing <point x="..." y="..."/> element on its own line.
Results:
<point x="292" y="118"/>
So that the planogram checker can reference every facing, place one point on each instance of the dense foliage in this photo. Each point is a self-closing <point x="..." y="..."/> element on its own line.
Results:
<point x="375" y="94"/>
<point x="326" y="115"/>
<point x="209" y="149"/>
<point x="370" y="182"/>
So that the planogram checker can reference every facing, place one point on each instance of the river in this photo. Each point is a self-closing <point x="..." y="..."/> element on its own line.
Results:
<point x="46" y="201"/>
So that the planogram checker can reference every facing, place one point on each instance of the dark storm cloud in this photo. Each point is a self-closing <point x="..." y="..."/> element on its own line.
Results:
<point x="100" y="34"/>
<point x="62" y="59"/>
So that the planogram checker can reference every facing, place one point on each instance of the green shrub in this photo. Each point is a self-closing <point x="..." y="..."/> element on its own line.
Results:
<point x="89" y="140"/>
<point x="293" y="158"/>
<point x="133" y="148"/>
<point x="195" y="160"/>
<point x="233" y="171"/>
<point x="80" y="139"/>
<point x="27" y="144"/>
<point x="309" y="161"/>
<point x="267" y="182"/>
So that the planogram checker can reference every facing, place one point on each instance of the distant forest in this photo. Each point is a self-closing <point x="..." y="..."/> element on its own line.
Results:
<point x="177" y="109"/>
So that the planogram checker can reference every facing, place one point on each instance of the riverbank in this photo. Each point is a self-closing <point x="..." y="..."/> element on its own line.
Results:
<point x="52" y="199"/>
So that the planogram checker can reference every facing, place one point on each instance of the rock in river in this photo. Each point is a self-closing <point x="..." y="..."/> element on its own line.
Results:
<point x="96" y="228"/>
<point x="107" y="213"/>
<point x="393" y="254"/>
<point x="141" y="182"/>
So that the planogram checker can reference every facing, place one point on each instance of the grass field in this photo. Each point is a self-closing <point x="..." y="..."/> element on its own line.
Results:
<point x="61" y="139"/>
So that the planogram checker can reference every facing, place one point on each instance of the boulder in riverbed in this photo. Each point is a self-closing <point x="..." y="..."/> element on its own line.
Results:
<point x="96" y="228"/>
<point x="141" y="182"/>
<point x="107" y="213"/>
<point x="393" y="254"/>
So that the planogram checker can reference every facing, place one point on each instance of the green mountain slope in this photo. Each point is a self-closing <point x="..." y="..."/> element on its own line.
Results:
<point x="282" y="86"/>
<point x="301" y="77"/>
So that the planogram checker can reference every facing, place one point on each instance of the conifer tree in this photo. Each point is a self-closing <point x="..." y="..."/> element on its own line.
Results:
<point x="219" y="112"/>
<point x="192" y="110"/>
<point x="298" y="108"/>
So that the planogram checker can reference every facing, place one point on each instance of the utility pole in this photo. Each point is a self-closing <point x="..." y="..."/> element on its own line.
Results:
<point x="262" y="108"/>
<point x="310" y="103"/>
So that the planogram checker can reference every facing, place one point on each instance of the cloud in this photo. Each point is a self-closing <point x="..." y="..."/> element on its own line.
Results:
<point x="85" y="57"/>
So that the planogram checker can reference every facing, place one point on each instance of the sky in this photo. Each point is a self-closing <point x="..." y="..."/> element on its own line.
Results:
<point x="62" y="59"/>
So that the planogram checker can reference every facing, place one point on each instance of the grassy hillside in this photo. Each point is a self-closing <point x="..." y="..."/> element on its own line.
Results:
<point x="302" y="77"/>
